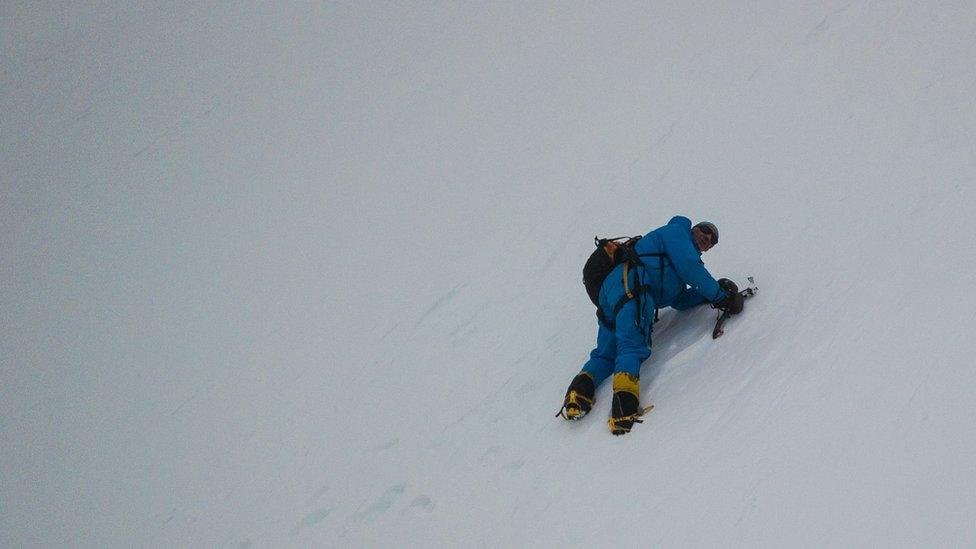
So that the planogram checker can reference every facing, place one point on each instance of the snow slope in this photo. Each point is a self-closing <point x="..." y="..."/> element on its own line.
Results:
<point x="308" y="275"/>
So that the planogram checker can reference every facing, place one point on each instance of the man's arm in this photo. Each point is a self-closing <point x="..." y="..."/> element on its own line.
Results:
<point x="687" y="261"/>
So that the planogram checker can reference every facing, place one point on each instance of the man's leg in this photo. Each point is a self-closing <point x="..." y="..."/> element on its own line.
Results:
<point x="579" y="398"/>
<point x="632" y="350"/>
<point x="600" y="364"/>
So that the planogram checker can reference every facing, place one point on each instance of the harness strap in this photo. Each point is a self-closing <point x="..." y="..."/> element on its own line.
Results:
<point x="629" y="294"/>
<point x="635" y="293"/>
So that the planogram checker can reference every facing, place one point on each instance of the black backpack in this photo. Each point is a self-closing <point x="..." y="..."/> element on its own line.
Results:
<point x="609" y="253"/>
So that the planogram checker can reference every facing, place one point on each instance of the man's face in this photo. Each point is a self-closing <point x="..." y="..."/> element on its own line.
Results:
<point x="702" y="240"/>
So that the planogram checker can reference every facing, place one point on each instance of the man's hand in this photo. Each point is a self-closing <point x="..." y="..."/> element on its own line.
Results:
<point x="734" y="302"/>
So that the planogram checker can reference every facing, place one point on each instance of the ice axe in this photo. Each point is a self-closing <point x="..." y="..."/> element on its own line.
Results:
<point x="749" y="291"/>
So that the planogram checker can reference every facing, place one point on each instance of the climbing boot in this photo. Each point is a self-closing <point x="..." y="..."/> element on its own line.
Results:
<point x="579" y="397"/>
<point x="625" y="409"/>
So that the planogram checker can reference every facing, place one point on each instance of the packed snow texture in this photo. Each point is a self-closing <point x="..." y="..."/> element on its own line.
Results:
<point x="308" y="274"/>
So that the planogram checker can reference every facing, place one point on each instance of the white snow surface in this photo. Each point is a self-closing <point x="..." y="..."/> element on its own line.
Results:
<point x="308" y="274"/>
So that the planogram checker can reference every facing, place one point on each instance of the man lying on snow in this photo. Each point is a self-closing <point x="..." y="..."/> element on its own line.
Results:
<point x="628" y="282"/>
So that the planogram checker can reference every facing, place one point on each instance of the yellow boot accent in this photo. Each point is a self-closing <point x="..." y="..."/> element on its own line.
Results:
<point x="621" y="425"/>
<point x="578" y="401"/>
<point x="572" y="408"/>
<point x="623" y="381"/>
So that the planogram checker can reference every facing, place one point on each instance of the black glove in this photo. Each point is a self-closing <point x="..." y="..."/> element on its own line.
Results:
<point x="734" y="301"/>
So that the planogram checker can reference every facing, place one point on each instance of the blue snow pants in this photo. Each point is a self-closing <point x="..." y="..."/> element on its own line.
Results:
<point x="627" y="345"/>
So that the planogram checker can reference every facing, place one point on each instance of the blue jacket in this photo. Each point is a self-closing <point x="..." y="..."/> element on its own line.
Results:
<point x="679" y="279"/>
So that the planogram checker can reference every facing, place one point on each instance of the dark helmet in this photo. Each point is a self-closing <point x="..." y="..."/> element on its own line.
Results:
<point x="708" y="228"/>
